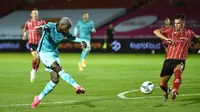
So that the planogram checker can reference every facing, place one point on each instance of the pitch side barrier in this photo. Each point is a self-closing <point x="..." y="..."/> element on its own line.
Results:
<point x="99" y="46"/>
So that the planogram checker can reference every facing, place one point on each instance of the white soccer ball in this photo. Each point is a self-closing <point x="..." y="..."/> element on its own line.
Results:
<point x="199" y="52"/>
<point x="147" y="87"/>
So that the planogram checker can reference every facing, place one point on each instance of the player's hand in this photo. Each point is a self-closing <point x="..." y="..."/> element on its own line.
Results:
<point x="38" y="30"/>
<point x="23" y="38"/>
<point x="198" y="37"/>
<point x="170" y="42"/>
<point x="84" y="44"/>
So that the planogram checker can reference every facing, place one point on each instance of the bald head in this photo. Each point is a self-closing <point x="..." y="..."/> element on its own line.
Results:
<point x="65" y="24"/>
<point x="66" y="21"/>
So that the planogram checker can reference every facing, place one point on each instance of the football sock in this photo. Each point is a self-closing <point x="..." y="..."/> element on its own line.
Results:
<point x="177" y="79"/>
<point x="85" y="53"/>
<point x="164" y="87"/>
<point x="66" y="77"/>
<point x="34" y="64"/>
<point x="48" y="88"/>
<point x="37" y="65"/>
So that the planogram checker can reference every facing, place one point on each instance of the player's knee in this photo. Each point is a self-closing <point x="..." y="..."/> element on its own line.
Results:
<point x="88" y="49"/>
<point x="34" y="54"/>
<point x="179" y="67"/>
<point x="56" y="67"/>
<point x="163" y="84"/>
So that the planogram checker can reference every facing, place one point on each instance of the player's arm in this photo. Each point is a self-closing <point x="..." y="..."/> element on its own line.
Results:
<point x="197" y="36"/>
<point x="39" y="29"/>
<point x="24" y="31"/>
<point x="44" y="22"/>
<point x="73" y="38"/>
<point x="76" y="29"/>
<point x="159" y="34"/>
<point x="93" y="30"/>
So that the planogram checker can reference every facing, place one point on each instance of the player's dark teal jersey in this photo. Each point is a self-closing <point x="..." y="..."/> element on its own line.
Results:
<point x="85" y="29"/>
<point x="51" y="38"/>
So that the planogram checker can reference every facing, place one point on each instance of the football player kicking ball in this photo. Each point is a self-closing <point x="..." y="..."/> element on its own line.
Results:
<point x="52" y="35"/>
<point x="178" y="40"/>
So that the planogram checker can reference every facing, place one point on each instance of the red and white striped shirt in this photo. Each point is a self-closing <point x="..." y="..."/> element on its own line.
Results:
<point x="30" y="25"/>
<point x="182" y="42"/>
<point x="163" y="29"/>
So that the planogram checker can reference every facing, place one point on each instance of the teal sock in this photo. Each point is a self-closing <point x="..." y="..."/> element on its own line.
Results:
<point x="85" y="53"/>
<point x="66" y="77"/>
<point x="48" y="88"/>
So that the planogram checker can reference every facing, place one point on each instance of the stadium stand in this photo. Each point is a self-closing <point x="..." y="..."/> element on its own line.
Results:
<point x="11" y="26"/>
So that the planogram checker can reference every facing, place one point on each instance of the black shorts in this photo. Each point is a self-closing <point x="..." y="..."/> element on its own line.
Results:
<point x="33" y="47"/>
<point x="169" y="66"/>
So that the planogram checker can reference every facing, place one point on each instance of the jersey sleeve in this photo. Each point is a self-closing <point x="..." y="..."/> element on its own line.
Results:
<point x="92" y="24"/>
<point x="166" y="30"/>
<point x="43" y="22"/>
<point x="72" y="38"/>
<point x="78" y="24"/>
<point x="48" y="26"/>
<point x="76" y="28"/>
<point x="92" y="27"/>
<point x="26" y="25"/>
<point x="192" y="34"/>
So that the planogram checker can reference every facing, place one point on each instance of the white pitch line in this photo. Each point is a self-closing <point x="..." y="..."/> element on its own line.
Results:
<point x="122" y="95"/>
<point x="19" y="105"/>
<point x="146" y="97"/>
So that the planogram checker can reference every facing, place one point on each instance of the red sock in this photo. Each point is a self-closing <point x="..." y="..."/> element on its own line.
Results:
<point x="37" y="65"/>
<point x="177" y="79"/>
<point x="164" y="87"/>
<point x="34" y="64"/>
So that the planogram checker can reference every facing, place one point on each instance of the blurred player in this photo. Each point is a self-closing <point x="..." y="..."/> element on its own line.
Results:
<point x="33" y="40"/>
<point x="110" y="37"/>
<point x="83" y="29"/>
<point x="178" y="41"/>
<point x="52" y="35"/>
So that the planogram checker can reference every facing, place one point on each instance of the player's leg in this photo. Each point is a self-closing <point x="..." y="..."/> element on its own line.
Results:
<point x="48" y="88"/>
<point x="85" y="53"/>
<point x="47" y="59"/>
<point x="164" y="86"/>
<point x="164" y="83"/>
<point x="165" y="75"/>
<point x="177" y="79"/>
<point x="50" y="85"/>
<point x="66" y="77"/>
<point x="35" y="61"/>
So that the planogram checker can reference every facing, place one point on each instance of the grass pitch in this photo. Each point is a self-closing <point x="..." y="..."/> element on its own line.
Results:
<point x="106" y="76"/>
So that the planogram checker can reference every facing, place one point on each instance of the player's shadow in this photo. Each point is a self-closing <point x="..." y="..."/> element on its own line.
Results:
<point x="87" y="103"/>
<point x="159" y="105"/>
<point x="190" y="101"/>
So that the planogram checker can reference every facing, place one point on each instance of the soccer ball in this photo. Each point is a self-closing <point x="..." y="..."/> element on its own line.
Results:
<point x="147" y="87"/>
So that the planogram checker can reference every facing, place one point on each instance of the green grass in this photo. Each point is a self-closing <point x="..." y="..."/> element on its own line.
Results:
<point x="105" y="77"/>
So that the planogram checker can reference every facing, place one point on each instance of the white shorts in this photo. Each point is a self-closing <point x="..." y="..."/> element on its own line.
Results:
<point x="49" y="58"/>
